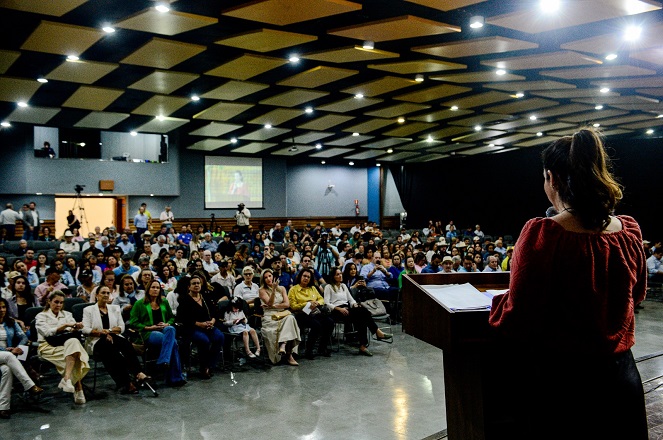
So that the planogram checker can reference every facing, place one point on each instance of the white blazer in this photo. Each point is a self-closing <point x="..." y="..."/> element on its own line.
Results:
<point x="92" y="321"/>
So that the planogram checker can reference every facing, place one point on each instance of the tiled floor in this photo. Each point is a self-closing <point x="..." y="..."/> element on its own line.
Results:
<point x="396" y="394"/>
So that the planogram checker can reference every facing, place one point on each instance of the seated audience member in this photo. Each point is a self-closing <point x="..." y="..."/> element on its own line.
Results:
<point x="499" y="247"/>
<point x="153" y="319"/>
<point x="448" y="265"/>
<point x="65" y="277"/>
<point x="70" y="359"/>
<point x="654" y="266"/>
<point x="282" y="336"/>
<point x="281" y="271"/>
<point x="493" y="265"/>
<point x="144" y="279"/>
<point x="20" y="267"/>
<point x="224" y="277"/>
<point x="306" y="301"/>
<point x="198" y="312"/>
<point x="208" y="244"/>
<point x="377" y="277"/>
<point x="126" y="268"/>
<point x="478" y="261"/>
<point x="468" y="264"/>
<point x="344" y="308"/>
<point x="91" y="244"/>
<point x="506" y="262"/>
<point x="51" y="283"/>
<point x="22" y="248"/>
<point x="128" y="293"/>
<point x="46" y="234"/>
<point x="317" y="277"/>
<point x="351" y="276"/>
<point x="41" y="267"/>
<point x="125" y="244"/>
<point x="29" y="258"/>
<point x="420" y="261"/>
<point x="108" y="280"/>
<point x="247" y="289"/>
<point x="168" y="280"/>
<point x="434" y="265"/>
<point x="409" y="270"/>
<point x="227" y="247"/>
<point x="478" y="232"/>
<point x="237" y="323"/>
<point x="103" y="326"/>
<point x="210" y="266"/>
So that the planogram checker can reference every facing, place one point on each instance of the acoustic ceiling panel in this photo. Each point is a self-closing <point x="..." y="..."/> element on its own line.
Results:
<point x="479" y="150"/>
<point x="163" y="54"/>
<point x="417" y="66"/>
<point x="254" y="147"/>
<point x="370" y="125"/>
<point x="92" y="98"/>
<point x="62" y="39"/>
<point x="440" y="115"/>
<point x="409" y="129"/>
<point x="84" y="72"/>
<point x="348" y="104"/>
<point x="214" y="129"/>
<point x="420" y="145"/>
<point x="32" y="115"/>
<point x="563" y="110"/>
<point x="161" y="105"/>
<point x="575" y="93"/>
<point x="433" y="93"/>
<point x="368" y="154"/>
<point x="247" y="66"/>
<point x="264" y="134"/>
<point x="316" y="77"/>
<point x="17" y="89"/>
<point x="223" y="111"/>
<point x="165" y="23"/>
<point x="477" y="77"/>
<point x="598" y="72"/>
<point x="478" y="136"/>
<point x="474" y="47"/>
<point x="591" y="116"/>
<point x="447" y="5"/>
<point x="163" y="81"/>
<point x="517" y="124"/>
<point x="277" y="116"/>
<point x="293" y="150"/>
<point x="652" y="81"/>
<point x="427" y="158"/>
<point x="311" y="137"/>
<point x="547" y="127"/>
<point x="506" y="140"/>
<point x="385" y="143"/>
<point x="325" y="122"/>
<point x="522" y="105"/>
<point x="294" y="97"/>
<point x="395" y="28"/>
<point x="101" y="120"/>
<point x="397" y="110"/>
<point x="653" y="55"/>
<point x="642" y="125"/>
<point x="380" y="86"/>
<point x="539" y="140"/>
<point x="285" y="12"/>
<point x="478" y="119"/>
<point x="55" y="8"/>
<point x="331" y="152"/>
<point x="233" y="90"/>
<point x="266" y="40"/>
<point x="398" y="156"/>
<point x="7" y="58"/>
<point x="349" y="140"/>
<point x="208" y="145"/>
<point x="449" y="132"/>
<point x="562" y="58"/>
<point x="349" y="55"/>
<point x="525" y="86"/>
<point x="615" y="42"/>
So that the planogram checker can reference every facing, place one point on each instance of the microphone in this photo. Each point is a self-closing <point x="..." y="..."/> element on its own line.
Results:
<point x="550" y="212"/>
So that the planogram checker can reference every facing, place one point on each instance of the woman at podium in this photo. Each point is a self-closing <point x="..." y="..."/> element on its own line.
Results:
<point x="566" y="326"/>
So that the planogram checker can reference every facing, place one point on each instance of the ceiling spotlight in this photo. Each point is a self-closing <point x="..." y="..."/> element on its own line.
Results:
<point x="454" y="108"/>
<point x="500" y="72"/>
<point x="519" y="95"/>
<point x="368" y="45"/>
<point x="377" y="165"/>
<point x="355" y="134"/>
<point x="323" y="162"/>
<point x="532" y="118"/>
<point x="659" y="116"/>
<point x="598" y="107"/>
<point x="491" y="145"/>
<point x="268" y="125"/>
<point x="5" y="124"/>
<point x="233" y="140"/>
<point x="477" y="22"/>
<point x="477" y="128"/>
<point x="429" y="138"/>
<point x="195" y="98"/>
<point x="318" y="146"/>
<point x="419" y="78"/>
<point x="22" y="104"/>
<point x="539" y="134"/>
<point x="632" y="33"/>
<point x="293" y="59"/>
<point x="351" y="163"/>
<point x="596" y="125"/>
<point x="401" y="120"/>
<point x="549" y="5"/>
<point x="160" y="117"/>
<point x="604" y="90"/>
<point x="72" y="58"/>
<point x="650" y="131"/>
<point x="391" y="150"/>
<point x="133" y="133"/>
<point x="293" y="149"/>
<point x="162" y="8"/>
<point x="611" y="56"/>
<point x="308" y="110"/>
<point x="42" y="80"/>
<point x="359" y="96"/>
<point x="108" y="29"/>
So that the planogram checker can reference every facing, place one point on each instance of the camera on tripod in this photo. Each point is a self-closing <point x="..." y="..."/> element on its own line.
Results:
<point x="79" y="188"/>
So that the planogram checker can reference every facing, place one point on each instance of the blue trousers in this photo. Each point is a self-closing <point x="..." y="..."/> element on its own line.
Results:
<point x="169" y="352"/>
<point x="209" y="344"/>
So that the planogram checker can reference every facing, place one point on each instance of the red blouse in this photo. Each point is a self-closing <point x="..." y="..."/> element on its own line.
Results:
<point x="572" y="291"/>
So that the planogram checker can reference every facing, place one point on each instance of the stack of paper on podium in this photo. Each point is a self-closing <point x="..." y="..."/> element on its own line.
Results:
<point x="457" y="297"/>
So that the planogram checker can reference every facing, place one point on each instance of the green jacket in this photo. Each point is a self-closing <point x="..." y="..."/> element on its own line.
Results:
<point x="141" y="317"/>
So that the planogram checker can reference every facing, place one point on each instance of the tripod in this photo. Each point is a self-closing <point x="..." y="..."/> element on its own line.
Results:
<point x="78" y="204"/>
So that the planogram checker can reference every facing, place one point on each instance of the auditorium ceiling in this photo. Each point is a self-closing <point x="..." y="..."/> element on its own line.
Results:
<point x="376" y="81"/>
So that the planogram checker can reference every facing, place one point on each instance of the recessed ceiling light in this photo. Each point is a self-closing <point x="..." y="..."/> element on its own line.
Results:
<point x="368" y="45"/>
<point x="598" y="107"/>
<point x="308" y="110"/>
<point x="419" y="78"/>
<point x="293" y="59"/>
<point x="268" y="125"/>
<point x="604" y="90"/>
<point x="611" y="56"/>
<point x="477" y="128"/>
<point x="401" y="120"/>
<point x="549" y="5"/>
<point x="162" y="8"/>
<point x="359" y="96"/>
<point x="650" y="131"/>
<point x="22" y="104"/>
<point x="293" y="149"/>
<point x="390" y="150"/>
<point x="318" y="146"/>
<point x="108" y="29"/>
<point x="377" y="165"/>
<point x="5" y="124"/>
<point x="195" y="98"/>
<point x="596" y="125"/>
<point x="133" y="133"/>
<point x="355" y="134"/>
<point x="323" y="162"/>
<point x="491" y="145"/>
<point x="500" y="72"/>
<point x="429" y="138"/>
<point x="454" y="108"/>
<point x="532" y="118"/>
<point x="539" y="134"/>
<point x="632" y="33"/>
<point x="351" y="163"/>
<point x="659" y="116"/>
<point x="161" y="117"/>
<point x="477" y="22"/>
<point x="72" y="58"/>
<point x="233" y="140"/>
<point x="520" y="95"/>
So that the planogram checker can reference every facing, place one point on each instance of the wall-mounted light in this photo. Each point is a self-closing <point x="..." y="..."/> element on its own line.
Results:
<point x="477" y="22"/>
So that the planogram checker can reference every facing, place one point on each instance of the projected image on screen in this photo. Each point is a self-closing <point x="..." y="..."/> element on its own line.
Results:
<point x="231" y="180"/>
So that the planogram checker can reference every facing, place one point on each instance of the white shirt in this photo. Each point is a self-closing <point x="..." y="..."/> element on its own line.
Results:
<point x="228" y="281"/>
<point x="167" y="216"/>
<point x="245" y="292"/>
<point x="212" y="268"/>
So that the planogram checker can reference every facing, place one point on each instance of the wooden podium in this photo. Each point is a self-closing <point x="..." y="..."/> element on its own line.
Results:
<point x="463" y="336"/>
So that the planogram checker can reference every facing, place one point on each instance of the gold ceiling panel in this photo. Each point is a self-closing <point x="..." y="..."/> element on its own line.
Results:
<point x="288" y="151"/>
<point x="17" y="89"/>
<point x="525" y="86"/>
<point x="84" y="72"/>
<point x="395" y="28"/>
<point x="263" y="134"/>
<point x="447" y="5"/>
<point x="277" y="116"/>
<point x="644" y="107"/>
<point x="474" y="47"/>
<point x="101" y="120"/>
<point x="311" y="136"/>
<point x="563" y="110"/>
<point x="621" y="120"/>
<point x="510" y="139"/>
<point x="517" y="124"/>
<point x="598" y="72"/>
<point x="478" y="100"/>
<point x="247" y="66"/>
<point x="539" y="140"/>
<point x="164" y="82"/>
<point x="350" y="54"/>
<point x="581" y="118"/>
<point x="449" y="132"/>
<point x="420" y="145"/>
<point x="233" y="90"/>
<point x="168" y="23"/>
<point x="214" y="129"/>
<point x="652" y="81"/>
<point x="658" y="92"/>
<point x="449" y="147"/>
<point x="163" y="54"/>
<point x="478" y="77"/>
<point x="7" y="58"/>
<point x="522" y="105"/>
<point x="284" y="12"/>
<point x="61" y="39"/>
<point x="325" y="122"/>
<point x="409" y="129"/>
<point x="266" y="40"/>
<point x="385" y="143"/>
<point x="641" y="125"/>
<point x="614" y="42"/>
<point x="349" y="140"/>
<point x="316" y="77"/>
<point x="162" y="126"/>
<point x="161" y="105"/>
<point x="370" y="125"/>
<point x="654" y="55"/>
<point x="368" y="154"/>
<point x="432" y="93"/>
<point x="254" y="147"/>
<point x="575" y="93"/>
<point x="397" y="110"/>
<point x="479" y="150"/>
<point x="417" y="66"/>
<point x="208" y="145"/>
<point x="32" y="115"/>
<point x="331" y="152"/>
<point x="56" y="8"/>
<point x="380" y="86"/>
<point x="480" y="119"/>
<point x="547" y="127"/>
<point x="223" y="111"/>
<point x="92" y="98"/>
<point x="616" y="99"/>
<point x="440" y="115"/>
<point x="562" y="58"/>
<point x="294" y="97"/>
<point x="349" y="104"/>
<point x="529" y="19"/>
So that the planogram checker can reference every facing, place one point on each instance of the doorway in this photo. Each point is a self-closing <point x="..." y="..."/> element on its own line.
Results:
<point x="90" y="211"/>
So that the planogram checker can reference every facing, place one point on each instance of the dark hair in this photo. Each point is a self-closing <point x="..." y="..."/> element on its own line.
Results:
<point x="51" y="296"/>
<point x="8" y="319"/>
<point x="584" y="177"/>
<point x="346" y="272"/>
<point x="299" y="277"/>
<point x="159" y="297"/>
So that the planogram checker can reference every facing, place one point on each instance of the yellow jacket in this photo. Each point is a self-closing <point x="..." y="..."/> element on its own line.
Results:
<point x="299" y="296"/>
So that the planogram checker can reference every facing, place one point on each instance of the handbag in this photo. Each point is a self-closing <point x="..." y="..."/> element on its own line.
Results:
<point x="375" y="306"/>
<point x="280" y="315"/>
<point x="59" y="339"/>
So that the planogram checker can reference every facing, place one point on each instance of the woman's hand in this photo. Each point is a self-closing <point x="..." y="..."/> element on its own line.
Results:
<point x="314" y="304"/>
<point x="342" y="310"/>
<point x="16" y="351"/>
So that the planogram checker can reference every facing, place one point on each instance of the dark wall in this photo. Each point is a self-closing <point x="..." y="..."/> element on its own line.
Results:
<point x="502" y="191"/>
